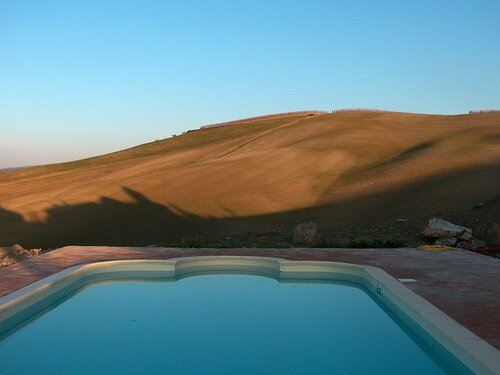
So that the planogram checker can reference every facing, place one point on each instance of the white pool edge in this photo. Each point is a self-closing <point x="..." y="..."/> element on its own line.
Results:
<point x="477" y="354"/>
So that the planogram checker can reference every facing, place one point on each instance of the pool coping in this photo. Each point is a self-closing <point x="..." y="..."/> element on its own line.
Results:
<point x="477" y="354"/>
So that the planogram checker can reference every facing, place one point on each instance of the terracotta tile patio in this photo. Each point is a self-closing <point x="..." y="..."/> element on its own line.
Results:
<point x="464" y="285"/>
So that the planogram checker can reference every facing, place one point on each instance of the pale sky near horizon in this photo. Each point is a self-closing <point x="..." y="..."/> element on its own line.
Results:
<point x="80" y="78"/>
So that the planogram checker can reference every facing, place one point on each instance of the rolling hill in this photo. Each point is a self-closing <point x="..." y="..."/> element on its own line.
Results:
<point x="370" y="172"/>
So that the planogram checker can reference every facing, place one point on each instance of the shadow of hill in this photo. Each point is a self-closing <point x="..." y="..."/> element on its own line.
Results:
<point x="11" y="225"/>
<point x="143" y="222"/>
<point x="108" y="221"/>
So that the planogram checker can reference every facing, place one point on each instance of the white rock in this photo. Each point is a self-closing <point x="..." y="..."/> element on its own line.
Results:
<point x="439" y="228"/>
<point x="467" y="235"/>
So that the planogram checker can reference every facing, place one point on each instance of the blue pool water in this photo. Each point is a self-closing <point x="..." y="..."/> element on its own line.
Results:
<point x="215" y="324"/>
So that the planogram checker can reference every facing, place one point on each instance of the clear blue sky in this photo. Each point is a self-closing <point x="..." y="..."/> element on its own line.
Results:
<point x="79" y="78"/>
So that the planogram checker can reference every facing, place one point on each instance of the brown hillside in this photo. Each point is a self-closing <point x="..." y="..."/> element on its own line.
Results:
<point x="347" y="169"/>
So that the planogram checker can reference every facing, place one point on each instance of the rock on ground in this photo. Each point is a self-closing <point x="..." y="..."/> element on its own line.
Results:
<point x="493" y="234"/>
<point x="472" y="244"/>
<point x="11" y="250"/>
<point x="12" y="254"/>
<point x="447" y="242"/>
<point x="441" y="229"/>
<point x="306" y="233"/>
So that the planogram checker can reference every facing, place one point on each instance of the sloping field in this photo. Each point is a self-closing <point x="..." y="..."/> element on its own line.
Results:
<point x="344" y="169"/>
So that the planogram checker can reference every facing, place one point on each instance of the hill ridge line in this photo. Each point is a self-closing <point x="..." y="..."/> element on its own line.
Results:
<point x="263" y="117"/>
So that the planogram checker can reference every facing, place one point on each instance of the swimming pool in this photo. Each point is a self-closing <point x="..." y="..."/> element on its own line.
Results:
<point x="225" y="315"/>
